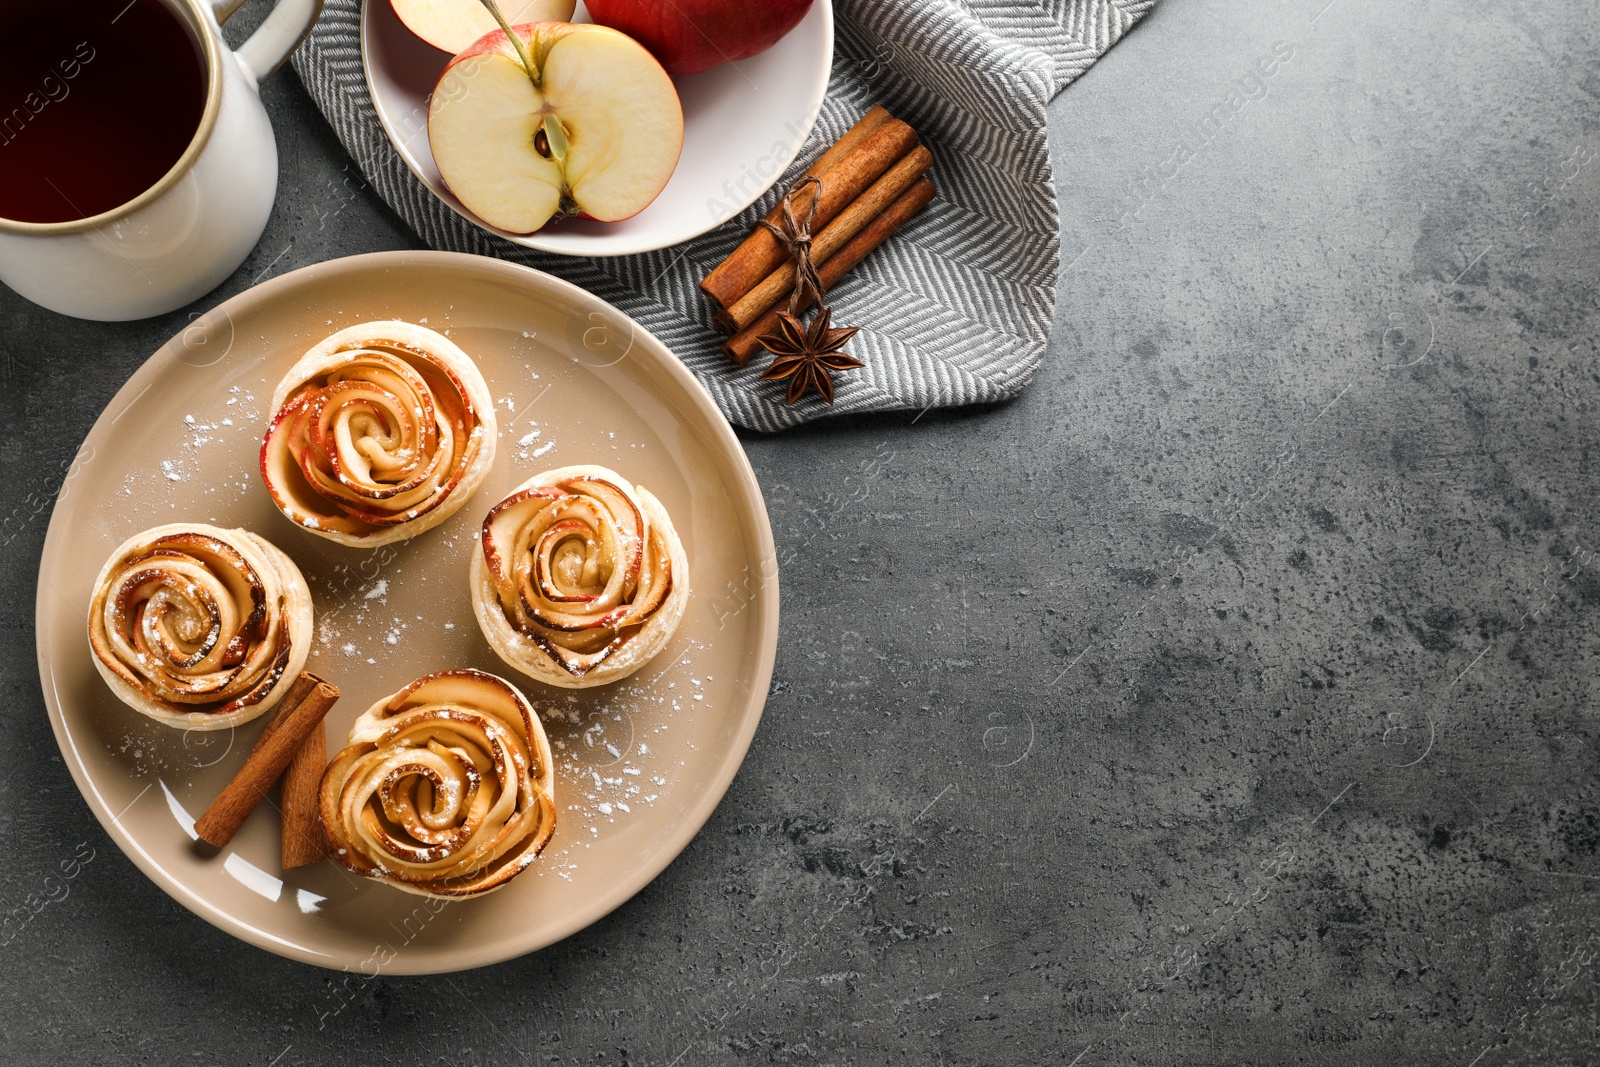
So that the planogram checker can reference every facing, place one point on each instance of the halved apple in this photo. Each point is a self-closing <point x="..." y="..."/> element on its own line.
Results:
<point x="452" y="25"/>
<point x="590" y="126"/>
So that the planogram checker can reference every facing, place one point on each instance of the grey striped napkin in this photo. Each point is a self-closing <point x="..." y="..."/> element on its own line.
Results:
<point x="955" y="309"/>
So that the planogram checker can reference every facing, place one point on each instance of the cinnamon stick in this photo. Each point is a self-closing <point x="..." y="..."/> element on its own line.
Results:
<point x="876" y="116"/>
<point x="842" y="183"/>
<point x="298" y="690"/>
<point x="272" y="753"/>
<point x="741" y="347"/>
<point x="304" y="841"/>
<point x="780" y="283"/>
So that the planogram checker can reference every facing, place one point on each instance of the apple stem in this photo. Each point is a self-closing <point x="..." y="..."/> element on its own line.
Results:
<point x="516" y="42"/>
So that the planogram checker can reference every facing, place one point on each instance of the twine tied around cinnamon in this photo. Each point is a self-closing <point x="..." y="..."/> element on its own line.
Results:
<point x="794" y="233"/>
<point x="804" y="356"/>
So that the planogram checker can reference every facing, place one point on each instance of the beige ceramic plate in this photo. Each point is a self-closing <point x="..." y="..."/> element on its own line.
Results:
<point x="640" y="764"/>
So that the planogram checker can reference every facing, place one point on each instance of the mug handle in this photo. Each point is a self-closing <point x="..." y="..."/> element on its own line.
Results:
<point x="287" y="25"/>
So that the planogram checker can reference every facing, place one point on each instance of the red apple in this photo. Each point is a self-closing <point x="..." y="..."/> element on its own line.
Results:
<point x="689" y="36"/>
<point x="452" y="25"/>
<point x="590" y="126"/>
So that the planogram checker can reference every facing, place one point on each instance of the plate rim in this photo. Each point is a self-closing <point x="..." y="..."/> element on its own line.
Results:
<point x="694" y="816"/>
<point x="531" y="240"/>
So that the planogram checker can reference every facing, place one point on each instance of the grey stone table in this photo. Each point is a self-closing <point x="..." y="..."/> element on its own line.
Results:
<point x="1230" y="698"/>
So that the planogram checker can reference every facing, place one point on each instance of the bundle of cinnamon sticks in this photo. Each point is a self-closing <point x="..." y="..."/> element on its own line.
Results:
<point x="869" y="183"/>
<point x="293" y="747"/>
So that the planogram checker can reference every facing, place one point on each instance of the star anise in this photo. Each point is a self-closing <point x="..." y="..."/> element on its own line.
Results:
<point x="808" y="355"/>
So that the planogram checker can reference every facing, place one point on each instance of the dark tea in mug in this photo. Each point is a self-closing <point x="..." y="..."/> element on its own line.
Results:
<point x="98" y="100"/>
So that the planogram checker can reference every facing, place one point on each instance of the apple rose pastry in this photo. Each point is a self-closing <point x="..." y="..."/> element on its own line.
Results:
<point x="381" y="431"/>
<point x="581" y="579"/>
<point x="199" y="627"/>
<point x="447" y="788"/>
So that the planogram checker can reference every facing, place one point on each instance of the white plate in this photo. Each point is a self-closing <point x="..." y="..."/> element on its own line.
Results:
<point x="743" y="123"/>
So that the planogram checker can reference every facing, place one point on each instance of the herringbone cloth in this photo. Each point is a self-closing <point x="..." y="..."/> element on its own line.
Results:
<point x="955" y="309"/>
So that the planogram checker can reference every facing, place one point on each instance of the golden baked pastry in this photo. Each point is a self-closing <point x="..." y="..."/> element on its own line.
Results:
<point x="380" y="432"/>
<point x="447" y="788"/>
<point x="580" y="578"/>
<point x="199" y="627"/>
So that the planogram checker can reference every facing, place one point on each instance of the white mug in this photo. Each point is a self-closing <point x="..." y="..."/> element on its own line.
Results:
<point x="180" y="238"/>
